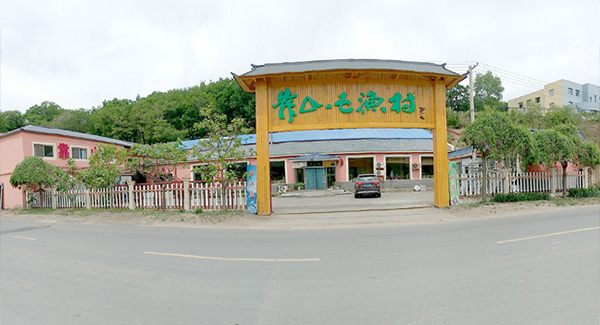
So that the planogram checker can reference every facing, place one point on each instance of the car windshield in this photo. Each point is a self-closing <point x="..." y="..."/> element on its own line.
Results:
<point x="367" y="179"/>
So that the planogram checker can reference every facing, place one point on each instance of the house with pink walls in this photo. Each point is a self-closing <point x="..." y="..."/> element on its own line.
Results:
<point x="322" y="159"/>
<point x="55" y="146"/>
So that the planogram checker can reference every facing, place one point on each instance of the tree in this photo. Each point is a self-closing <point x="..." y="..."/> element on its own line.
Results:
<point x="457" y="98"/>
<point x="43" y="113"/>
<point x="554" y="146"/>
<point x="74" y="120"/>
<point x="34" y="174"/>
<point x="14" y="120"/>
<point x="3" y="123"/>
<point x="221" y="150"/>
<point x="106" y="165"/>
<point x="488" y="90"/>
<point x="158" y="161"/>
<point x="495" y="137"/>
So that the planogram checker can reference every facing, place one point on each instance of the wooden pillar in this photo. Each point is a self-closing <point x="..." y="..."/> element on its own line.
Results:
<point x="263" y="179"/>
<point x="186" y="194"/>
<point x="53" y="197"/>
<point x="88" y="199"/>
<point x="440" y="148"/>
<point x="506" y="180"/>
<point x="130" y="185"/>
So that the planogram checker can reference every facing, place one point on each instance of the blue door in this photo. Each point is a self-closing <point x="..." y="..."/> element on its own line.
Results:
<point x="315" y="178"/>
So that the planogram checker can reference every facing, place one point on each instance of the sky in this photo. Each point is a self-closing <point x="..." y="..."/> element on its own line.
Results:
<point x="80" y="53"/>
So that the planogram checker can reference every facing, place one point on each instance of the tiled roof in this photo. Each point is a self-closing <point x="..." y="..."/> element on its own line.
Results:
<point x="347" y="64"/>
<point x="66" y="133"/>
<point x="338" y="134"/>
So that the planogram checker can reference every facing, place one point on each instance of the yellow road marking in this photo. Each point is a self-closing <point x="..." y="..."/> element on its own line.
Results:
<point x="547" y="235"/>
<point x="247" y="259"/>
<point x="28" y="238"/>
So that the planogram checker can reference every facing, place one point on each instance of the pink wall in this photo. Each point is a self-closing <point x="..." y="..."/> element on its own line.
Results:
<point x="15" y="147"/>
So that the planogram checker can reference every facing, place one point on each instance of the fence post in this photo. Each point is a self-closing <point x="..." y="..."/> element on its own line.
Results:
<point x="88" y="199"/>
<point x="53" y="197"/>
<point x="130" y="185"/>
<point x="586" y="180"/>
<point x="506" y="179"/>
<point x="552" y="180"/>
<point x="186" y="194"/>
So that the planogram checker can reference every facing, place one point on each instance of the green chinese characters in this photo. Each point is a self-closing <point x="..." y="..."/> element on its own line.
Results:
<point x="367" y="102"/>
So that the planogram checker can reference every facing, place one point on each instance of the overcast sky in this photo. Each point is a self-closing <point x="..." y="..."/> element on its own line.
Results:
<point x="79" y="53"/>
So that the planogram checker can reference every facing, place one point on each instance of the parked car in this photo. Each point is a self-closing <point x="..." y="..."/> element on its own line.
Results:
<point x="367" y="184"/>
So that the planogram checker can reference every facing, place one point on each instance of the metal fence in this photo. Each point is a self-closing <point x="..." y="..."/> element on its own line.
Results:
<point x="172" y="196"/>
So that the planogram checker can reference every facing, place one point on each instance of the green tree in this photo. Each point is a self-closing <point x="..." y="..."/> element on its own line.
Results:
<point x="43" y="113"/>
<point x="488" y="90"/>
<point x="106" y="165"/>
<point x="495" y="137"/>
<point x="14" y="119"/>
<point x="457" y="98"/>
<point x="112" y="120"/>
<point x="158" y="161"/>
<point x="3" y="123"/>
<point x="34" y="174"/>
<point x="555" y="146"/>
<point x="221" y="150"/>
<point x="73" y="120"/>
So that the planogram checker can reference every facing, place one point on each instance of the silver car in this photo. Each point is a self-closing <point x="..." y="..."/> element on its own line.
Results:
<point x="367" y="184"/>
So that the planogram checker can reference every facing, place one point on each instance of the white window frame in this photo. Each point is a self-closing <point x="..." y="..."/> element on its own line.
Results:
<point x="397" y="156"/>
<point x="359" y="156"/>
<point x="421" y="165"/>
<point x="192" y="174"/>
<point x="53" y="145"/>
<point x="87" y="149"/>
<point x="285" y="168"/>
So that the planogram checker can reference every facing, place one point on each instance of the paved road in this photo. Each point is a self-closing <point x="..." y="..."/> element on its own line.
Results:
<point x="534" y="269"/>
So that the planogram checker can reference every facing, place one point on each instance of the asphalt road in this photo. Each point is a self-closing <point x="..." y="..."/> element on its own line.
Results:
<point x="531" y="269"/>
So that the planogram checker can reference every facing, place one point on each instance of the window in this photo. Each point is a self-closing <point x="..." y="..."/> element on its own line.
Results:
<point x="426" y="167"/>
<point x="397" y="168"/>
<point x="528" y="102"/>
<point x="41" y="150"/>
<point x="551" y="105"/>
<point x="551" y="92"/>
<point x="570" y="91"/>
<point x="79" y="153"/>
<point x="239" y="169"/>
<point x="521" y="105"/>
<point x="577" y="92"/>
<point x="277" y="171"/>
<point x="537" y="100"/>
<point x="357" y="166"/>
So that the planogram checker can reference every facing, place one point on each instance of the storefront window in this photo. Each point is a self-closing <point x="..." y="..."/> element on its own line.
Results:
<point x="277" y="171"/>
<point x="397" y="168"/>
<point x="239" y="169"/>
<point x="357" y="166"/>
<point x="426" y="167"/>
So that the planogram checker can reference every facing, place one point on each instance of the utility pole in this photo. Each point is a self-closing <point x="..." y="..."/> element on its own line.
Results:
<point x="472" y="110"/>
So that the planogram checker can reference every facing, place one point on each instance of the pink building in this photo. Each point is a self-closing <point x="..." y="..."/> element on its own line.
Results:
<point x="55" y="146"/>
<point x="323" y="159"/>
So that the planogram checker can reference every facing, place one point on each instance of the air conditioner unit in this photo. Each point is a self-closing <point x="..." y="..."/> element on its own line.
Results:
<point x="379" y="165"/>
<point x="282" y="188"/>
<point x="379" y="173"/>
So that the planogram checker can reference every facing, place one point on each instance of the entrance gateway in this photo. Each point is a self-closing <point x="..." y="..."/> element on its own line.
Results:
<point x="349" y="93"/>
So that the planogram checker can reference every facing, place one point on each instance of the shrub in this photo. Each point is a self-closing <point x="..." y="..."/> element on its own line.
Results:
<point x="584" y="192"/>
<point x="519" y="197"/>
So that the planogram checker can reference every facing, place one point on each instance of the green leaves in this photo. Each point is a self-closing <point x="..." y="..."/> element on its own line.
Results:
<point x="34" y="174"/>
<point x="106" y="165"/>
<point x="157" y="161"/>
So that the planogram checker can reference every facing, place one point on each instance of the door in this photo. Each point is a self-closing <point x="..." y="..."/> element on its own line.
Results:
<point x="315" y="178"/>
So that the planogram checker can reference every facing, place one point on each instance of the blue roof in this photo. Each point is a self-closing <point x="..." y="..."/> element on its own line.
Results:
<point x="338" y="134"/>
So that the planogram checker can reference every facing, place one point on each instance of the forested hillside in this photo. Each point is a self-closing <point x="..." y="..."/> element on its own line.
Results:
<point x="159" y="117"/>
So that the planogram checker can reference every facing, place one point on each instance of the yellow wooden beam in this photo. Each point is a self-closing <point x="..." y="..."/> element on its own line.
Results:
<point x="263" y="179"/>
<point x="440" y="149"/>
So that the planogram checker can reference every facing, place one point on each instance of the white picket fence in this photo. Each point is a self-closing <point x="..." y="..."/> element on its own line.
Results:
<point x="470" y="185"/>
<point x="205" y="196"/>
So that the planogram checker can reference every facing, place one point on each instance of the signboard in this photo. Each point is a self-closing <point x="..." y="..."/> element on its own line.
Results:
<point x="298" y="164"/>
<point x="251" y="189"/>
<point x="453" y="182"/>
<point x="350" y="104"/>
